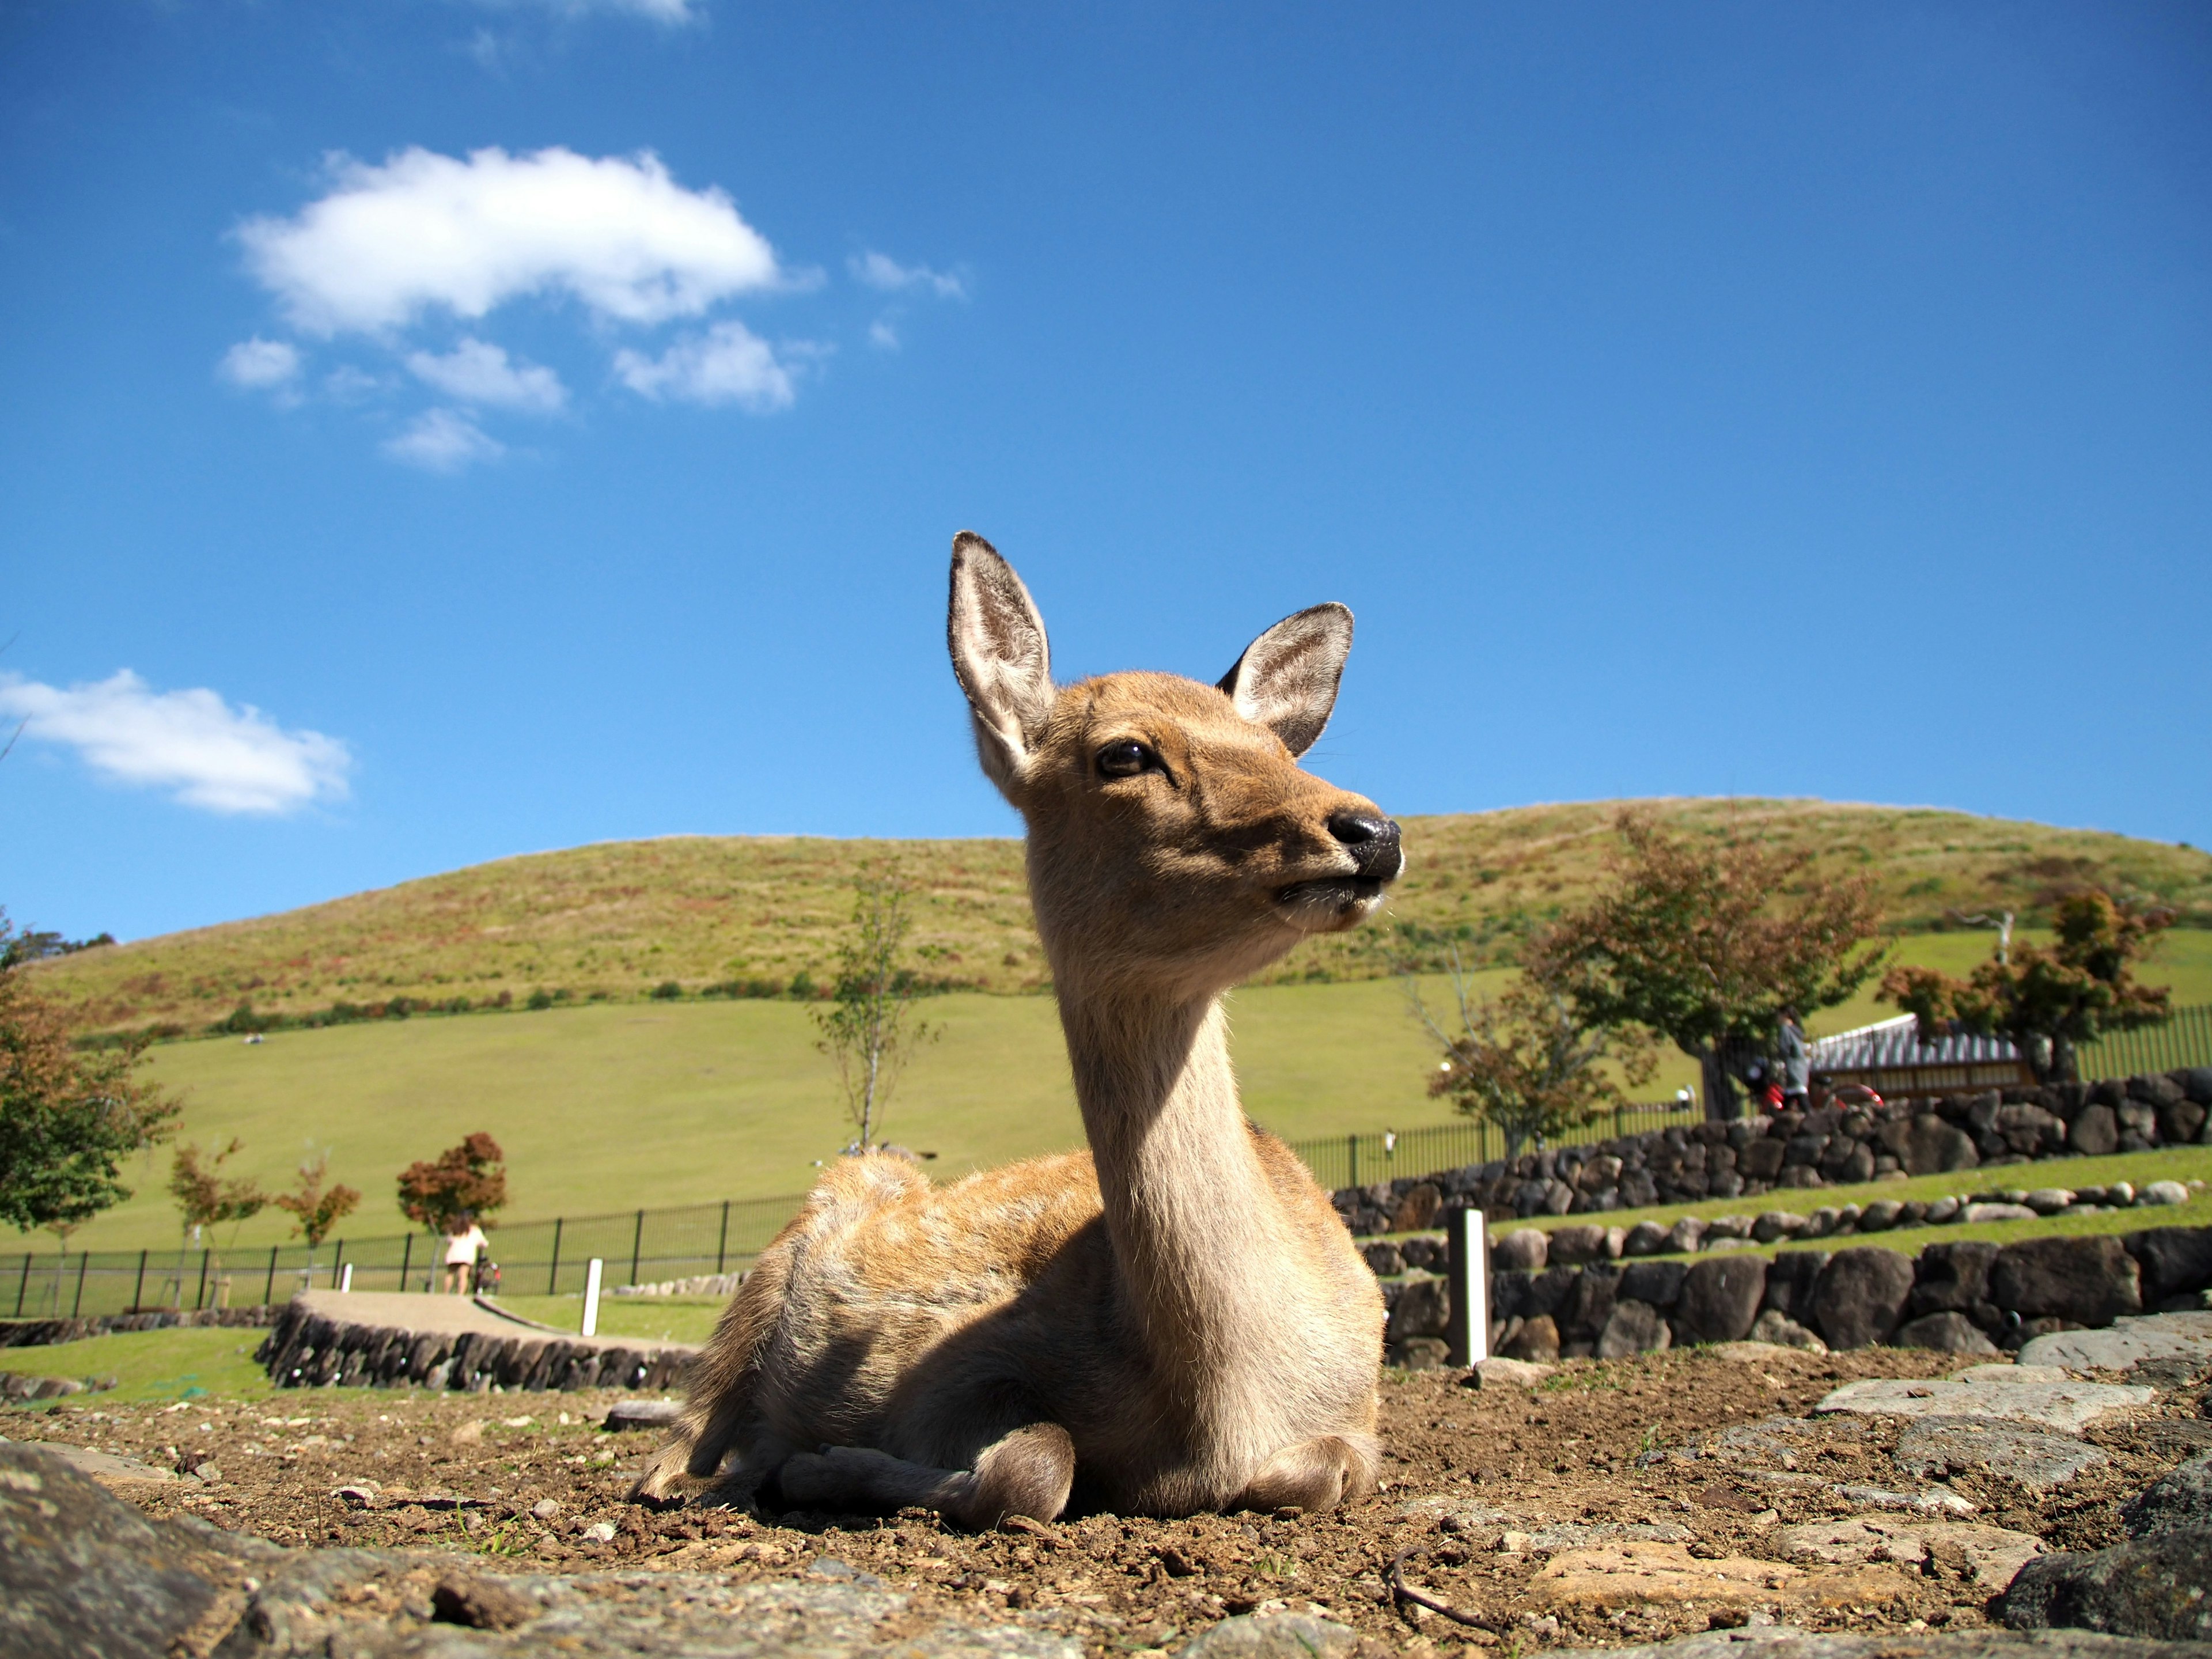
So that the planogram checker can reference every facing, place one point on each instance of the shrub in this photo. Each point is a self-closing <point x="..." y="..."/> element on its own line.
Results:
<point x="541" y="998"/>
<point x="667" y="991"/>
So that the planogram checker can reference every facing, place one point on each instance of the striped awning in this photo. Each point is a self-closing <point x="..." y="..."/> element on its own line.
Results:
<point x="1894" y="1044"/>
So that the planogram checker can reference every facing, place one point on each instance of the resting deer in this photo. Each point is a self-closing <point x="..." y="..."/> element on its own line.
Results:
<point x="1175" y="1321"/>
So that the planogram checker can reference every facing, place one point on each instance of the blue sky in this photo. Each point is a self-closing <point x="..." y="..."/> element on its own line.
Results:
<point x="469" y="429"/>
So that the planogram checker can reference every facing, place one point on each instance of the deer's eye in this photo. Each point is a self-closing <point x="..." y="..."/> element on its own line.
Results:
<point x="1126" y="760"/>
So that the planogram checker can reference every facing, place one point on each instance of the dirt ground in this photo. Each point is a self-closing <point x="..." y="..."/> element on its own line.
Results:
<point x="1502" y="1502"/>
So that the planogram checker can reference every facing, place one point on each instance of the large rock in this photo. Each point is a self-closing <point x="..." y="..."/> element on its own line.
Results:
<point x="1536" y="1339"/>
<point x="1423" y="1308"/>
<point x="2172" y="1261"/>
<point x="1720" y="1298"/>
<point x="1272" y="1635"/>
<point x="2086" y="1280"/>
<point x="1946" y="1333"/>
<point x="2031" y="1131"/>
<point x="1588" y="1304"/>
<point x="2038" y="1397"/>
<point x="1992" y="1554"/>
<point x="1583" y="1242"/>
<point x="1925" y="1145"/>
<point x="1524" y="1249"/>
<point x="1859" y="1297"/>
<point x="2158" y="1587"/>
<point x="1791" y="1276"/>
<point x="1659" y="1282"/>
<point x="2185" y="1337"/>
<point x="1634" y="1327"/>
<point x="1953" y="1277"/>
<point x="2095" y="1132"/>
<point x="1938" y="1447"/>
<point x="2180" y="1500"/>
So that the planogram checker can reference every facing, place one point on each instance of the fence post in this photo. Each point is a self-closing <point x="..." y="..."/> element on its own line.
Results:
<point x="138" y="1291"/>
<point x="1352" y="1158"/>
<point x="722" y="1244"/>
<point x="592" y="1275"/>
<point x="83" y="1261"/>
<point x="22" y="1284"/>
<point x="553" y="1278"/>
<point x="1466" y="1329"/>
<point x="268" y="1285"/>
<point x="636" y="1246"/>
<point x="199" y="1297"/>
<point x="406" y="1258"/>
<point x="335" y="1261"/>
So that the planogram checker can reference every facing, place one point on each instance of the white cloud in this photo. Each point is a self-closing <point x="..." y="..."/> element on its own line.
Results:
<point x="443" y="440"/>
<point x="882" y="335"/>
<point x="426" y="231"/>
<point x="727" y="364"/>
<point x="477" y="372"/>
<point x="657" y="11"/>
<point x="880" y="271"/>
<point x="192" y="744"/>
<point x="260" y="365"/>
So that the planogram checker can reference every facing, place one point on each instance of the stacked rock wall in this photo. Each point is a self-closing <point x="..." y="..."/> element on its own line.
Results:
<point x="45" y="1333"/>
<point x="1830" y="1147"/>
<point x="306" y="1350"/>
<point x="1967" y="1296"/>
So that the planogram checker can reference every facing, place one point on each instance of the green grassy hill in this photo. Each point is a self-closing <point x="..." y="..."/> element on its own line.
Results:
<point x="611" y="921"/>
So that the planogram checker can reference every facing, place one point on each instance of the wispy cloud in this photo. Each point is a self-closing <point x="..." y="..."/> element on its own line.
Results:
<point x="428" y="232"/>
<point x="880" y="271"/>
<point x="727" y="364"/>
<point x="443" y="440"/>
<point x="203" y="750"/>
<point x="260" y="365"/>
<point x="476" y="372"/>
<point x="655" y="11"/>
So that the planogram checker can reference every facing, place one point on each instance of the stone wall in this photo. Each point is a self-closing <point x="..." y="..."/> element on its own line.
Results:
<point x="44" y="1333"/>
<point x="307" y="1350"/>
<point x="1831" y="1147"/>
<point x="1967" y="1296"/>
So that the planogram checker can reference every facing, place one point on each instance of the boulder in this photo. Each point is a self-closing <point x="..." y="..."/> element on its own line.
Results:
<point x="1791" y="1276"/>
<point x="1583" y="1242"/>
<point x="1784" y="1332"/>
<point x="1659" y="1282"/>
<point x="1506" y="1374"/>
<point x="2095" y="1132"/>
<point x="2035" y="1398"/>
<point x="2089" y="1281"/>
<point x="2180" y="1121"/>
<point x="1536" y="1339"/>
<point x="2156" y="1090"/>
<point x="2163" y="1192"/>
<point x="1997" y="1210"/>
<point x="1417" y="1209"/>
<point x="2196" y="1083"/>
<point x="1382" y="1258"/>
<point x="2031" y="1131"/>
<point x="1685" y="1235"/>
<point x="2048" y="1200"/>
<point x="1524" y="1249"/>
<point x="1772" y="1225"/>
<point x="1879" y="1215"/>
<point x="1946" y="1333"/>
<point x="1926" y="1144"/>
<point x="1423" y="1308"/>
<point x="1720" y="1298"/>
<point x="1937" y="1447"/>
<point x="1582" y="1312"/>
<point x="1859" y="1297"/>
<point x="2158" y="1587"/>
<point x="2180" y="1500"/>
<point x="1272" y="1635"/>
<point x="1634" y="1327"/>
<point x="1644" y="1238"/>
<point x="2172" y="1260"/>
<point x="1761" y="1160"/>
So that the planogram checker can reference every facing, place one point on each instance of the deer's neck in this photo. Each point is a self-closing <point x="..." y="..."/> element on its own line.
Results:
<point x="1197" y="1231"/>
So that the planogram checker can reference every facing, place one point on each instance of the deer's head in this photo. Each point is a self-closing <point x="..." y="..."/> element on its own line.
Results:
<point x="1173" y="843"/>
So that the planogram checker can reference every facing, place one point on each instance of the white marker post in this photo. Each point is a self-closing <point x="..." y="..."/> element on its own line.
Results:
<point x="345" y="1280"/>
<point x="592" y="1296"/>
<point x="1466" y="1329"/>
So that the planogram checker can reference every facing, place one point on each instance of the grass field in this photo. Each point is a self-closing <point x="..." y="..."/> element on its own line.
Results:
<point x="616" y="919"/>
<point x="175" y="1364"/>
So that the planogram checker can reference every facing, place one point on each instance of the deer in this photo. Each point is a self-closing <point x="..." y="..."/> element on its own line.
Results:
<point x="1175" y="1321"/>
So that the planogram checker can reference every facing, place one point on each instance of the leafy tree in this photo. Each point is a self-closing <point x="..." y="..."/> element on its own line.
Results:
<point x="1526" y="1064"/>
<point x="1703" y="942"/>
<point x="470" y="1177"/>
<point x="2047" y="998"/>
<point x="207" y="1199"/>
<point x="67" y="1117"/>
<point x="867" y="1026"/>
<point x="317" y="1208"/>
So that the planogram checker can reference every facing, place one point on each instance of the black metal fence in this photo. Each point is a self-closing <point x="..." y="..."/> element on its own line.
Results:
<point x="2185" y="1039"/>
<point x="1356" y="1160"/>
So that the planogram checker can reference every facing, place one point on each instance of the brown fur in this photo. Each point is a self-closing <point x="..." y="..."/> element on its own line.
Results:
<point x="1176" y="1321"/>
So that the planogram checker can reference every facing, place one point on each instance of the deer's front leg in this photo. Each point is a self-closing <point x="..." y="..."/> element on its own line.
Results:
<point x="1313" y="1475"/>
<point x="1027" y="1473"/>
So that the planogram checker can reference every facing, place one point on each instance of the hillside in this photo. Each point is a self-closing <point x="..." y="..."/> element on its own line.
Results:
<point x="744" y="914"/>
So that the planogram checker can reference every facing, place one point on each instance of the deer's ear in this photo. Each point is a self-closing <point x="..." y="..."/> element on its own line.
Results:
<point x="1001" y="658"/>
<point x="1286" y="678"/>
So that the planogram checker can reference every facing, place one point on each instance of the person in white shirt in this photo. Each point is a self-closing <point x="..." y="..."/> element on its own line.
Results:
<point x="463" y="1244"/>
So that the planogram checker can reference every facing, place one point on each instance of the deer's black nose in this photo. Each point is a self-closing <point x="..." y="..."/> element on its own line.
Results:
<point x="1372" y="840"/>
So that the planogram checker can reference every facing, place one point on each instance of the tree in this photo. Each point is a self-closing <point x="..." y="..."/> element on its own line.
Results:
<point x="868" y="1025"/>
<point x="470" y="1177"/>
<point x="1526" y="1064"/>
<point x="316" y="1208"/>
<point x="1705" y="942"/>
<point x="206" y="1200"/>
<point x="2047" y="998"/>
<point x="67" y="1117"/>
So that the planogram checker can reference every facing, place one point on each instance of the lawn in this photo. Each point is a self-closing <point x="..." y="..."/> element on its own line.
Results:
<point x="655" y="1318"/>
<point x="173" y="1365"/>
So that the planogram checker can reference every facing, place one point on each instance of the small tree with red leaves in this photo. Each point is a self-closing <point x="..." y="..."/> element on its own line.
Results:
<point x="467" y="1179"/>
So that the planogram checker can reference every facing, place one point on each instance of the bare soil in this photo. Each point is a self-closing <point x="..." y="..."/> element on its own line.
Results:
<point x="1490" y="1494"/>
